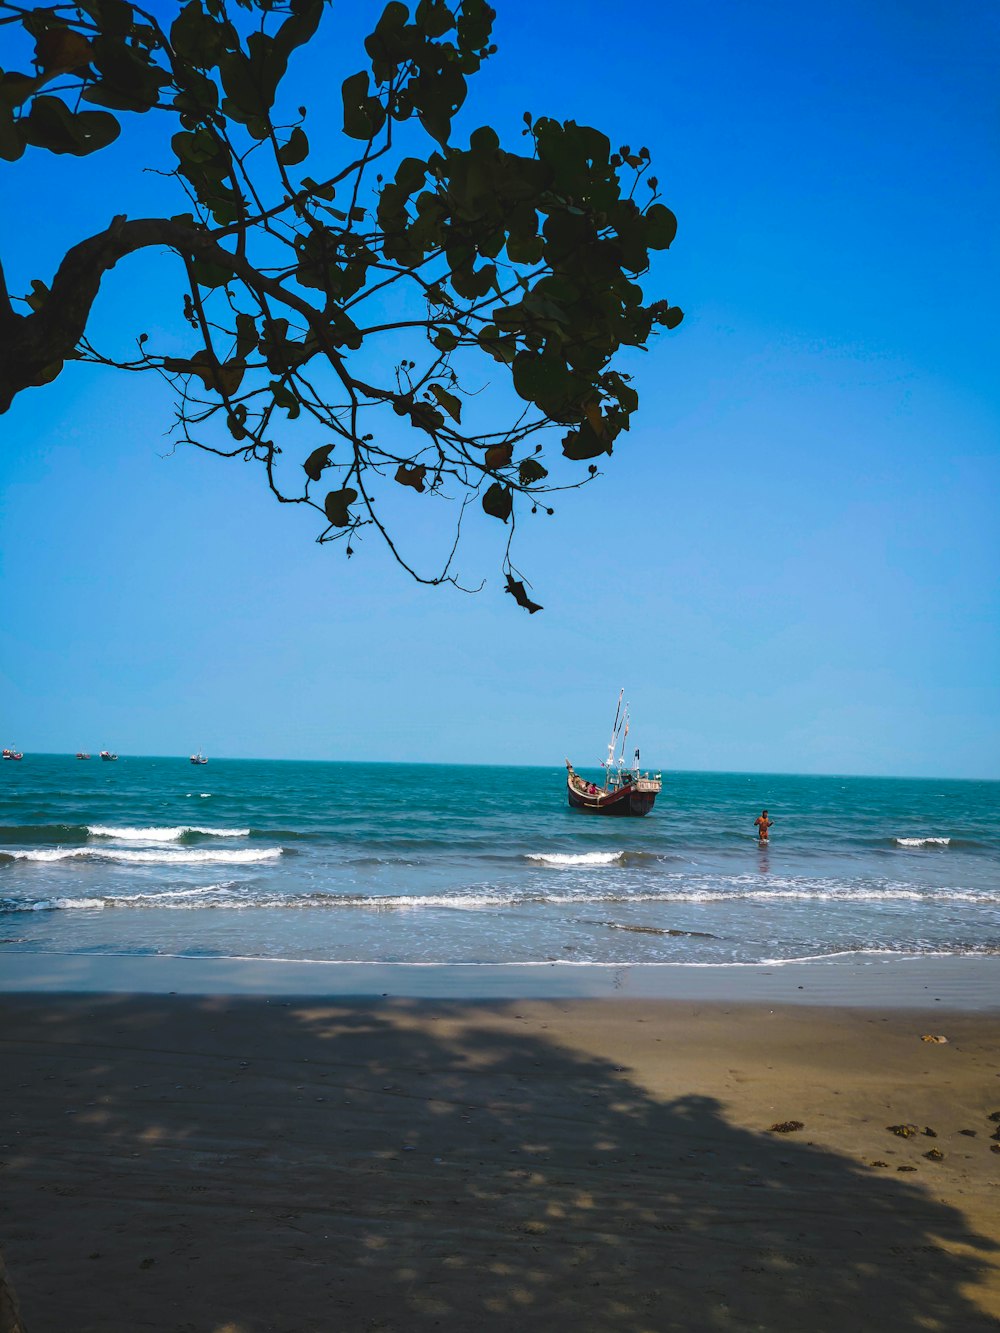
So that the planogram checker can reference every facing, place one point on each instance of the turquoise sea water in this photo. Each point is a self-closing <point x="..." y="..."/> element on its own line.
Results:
<point x="442" y="864"/>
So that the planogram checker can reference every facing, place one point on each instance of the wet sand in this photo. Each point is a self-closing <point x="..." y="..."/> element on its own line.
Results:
<point x="248" y="1165"/>
<point x="868" y="980"/>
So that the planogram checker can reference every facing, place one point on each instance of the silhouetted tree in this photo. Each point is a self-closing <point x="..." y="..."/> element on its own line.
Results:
<point x="480" y="269"/>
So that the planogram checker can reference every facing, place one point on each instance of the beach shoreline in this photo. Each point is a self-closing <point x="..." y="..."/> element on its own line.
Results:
<point x="960" y="983"/>
<point x="282" y="1164"/>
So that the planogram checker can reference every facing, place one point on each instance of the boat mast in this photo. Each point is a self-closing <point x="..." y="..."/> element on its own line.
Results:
<point x="625" y="719"/>
<point x="614" y="740"/>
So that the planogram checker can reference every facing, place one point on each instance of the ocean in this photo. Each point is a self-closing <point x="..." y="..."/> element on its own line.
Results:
<point x="449" y="864"/>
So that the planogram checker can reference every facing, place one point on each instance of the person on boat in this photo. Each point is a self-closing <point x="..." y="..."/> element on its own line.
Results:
<point x="762" y="823"/>
<point x="591" y="789"/>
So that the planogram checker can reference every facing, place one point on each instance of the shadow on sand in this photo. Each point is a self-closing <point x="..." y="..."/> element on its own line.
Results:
<point x="200" y="1166"/>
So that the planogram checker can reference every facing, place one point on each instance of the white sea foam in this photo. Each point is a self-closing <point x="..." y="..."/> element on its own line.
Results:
<point x="921" y="842"/>
<point x="161" y="856"/>
<point x="576" y="859"/>
<point x="168" y="834"/>
<point x="176" y="895"/>
<point x="830" y="895"/>
<point x="899" y="956"/>
<point x="833" y="894"/>
<point x="169" y="898"/>
<point x="461" y="902"/>
<point x="64" y="904"/>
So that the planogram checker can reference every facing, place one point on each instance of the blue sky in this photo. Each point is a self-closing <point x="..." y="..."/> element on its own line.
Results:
<point x="791" y="562"/>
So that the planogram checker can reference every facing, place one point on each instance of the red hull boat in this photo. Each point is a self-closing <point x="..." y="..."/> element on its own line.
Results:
<point x="626" y="790"/>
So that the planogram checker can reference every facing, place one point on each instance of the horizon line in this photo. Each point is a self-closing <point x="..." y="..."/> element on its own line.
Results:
<point x="425" y="763"/>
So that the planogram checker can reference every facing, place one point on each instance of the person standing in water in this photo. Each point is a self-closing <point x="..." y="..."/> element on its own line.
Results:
<point x="762" y="824"/>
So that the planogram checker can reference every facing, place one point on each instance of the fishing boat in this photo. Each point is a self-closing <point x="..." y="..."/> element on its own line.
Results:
<point x="13" y="754"/>
<point x="198" y="758"/>
<point x="81" y="755"/>
<point x="626" y="790"/>
<point x="106" y="754"/>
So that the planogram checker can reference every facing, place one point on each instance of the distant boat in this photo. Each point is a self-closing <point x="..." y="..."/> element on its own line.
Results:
<point x="13" y="754"/>
<point x="198" y="758"/>
<point x="626" y="790"/>
<point x="106" y="754"/>
<point x="81" y="755"/>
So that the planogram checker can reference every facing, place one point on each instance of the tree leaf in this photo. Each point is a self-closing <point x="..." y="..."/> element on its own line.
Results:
<point x="11" y="142"/>
<point x="336" y="506"/>
<point x="364" y="115"/>
<point x="296" y="150"/>
<point x="661" y="227"/>
<point x="498" y="501"/>
<point x="444" y="340"/>
<point x="50" y="124"/>
<point x="225" y="378"/>
<point x="320" y="191"/>
<point x="525" y="249"/>
<point x="317" y="461"/>
<point x="61" y="49"/>
<point x="426" y="417"/>
<point x="229" y="376"/>
<point x="543" y="380"/>
<point x="196" y="38"/>
<point x="411" y="476"/>
<point x="243" y="100"/>
<point x="516" y="589"/>
<point x="529" y="471"/>
<point x="246" y="335"/>
<point x="15" y="89"/>
<point x="284" y="397"/>
<point x="583" y="443"/>
<point x="208" y="274"/>
<point x="498" y="455"/>
<point x="626" y="395"/>
<point x="593" y="412"/>
<point x="437" y="94"/>
<point x="434" y="17"/>
<point x="451" y="404"/>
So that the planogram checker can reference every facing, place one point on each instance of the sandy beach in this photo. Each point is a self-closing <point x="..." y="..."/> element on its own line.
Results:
<point x="249" y="1165"/>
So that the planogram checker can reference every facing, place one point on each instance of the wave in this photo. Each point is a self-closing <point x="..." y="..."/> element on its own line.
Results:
<point x="56" y="904"/>
<point x="922" y="842"/>
<point x="832" y="895"/>
<point x="577" y="858"/>
<point x="173" y="833"/>
<point x="164" y="898"/>
<point x="901" y="951"/>
<point x="225" y="886"/>
<point x="571" y="859"/>
<point x="230" y="894"/>
<point x="160" y="856"/>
